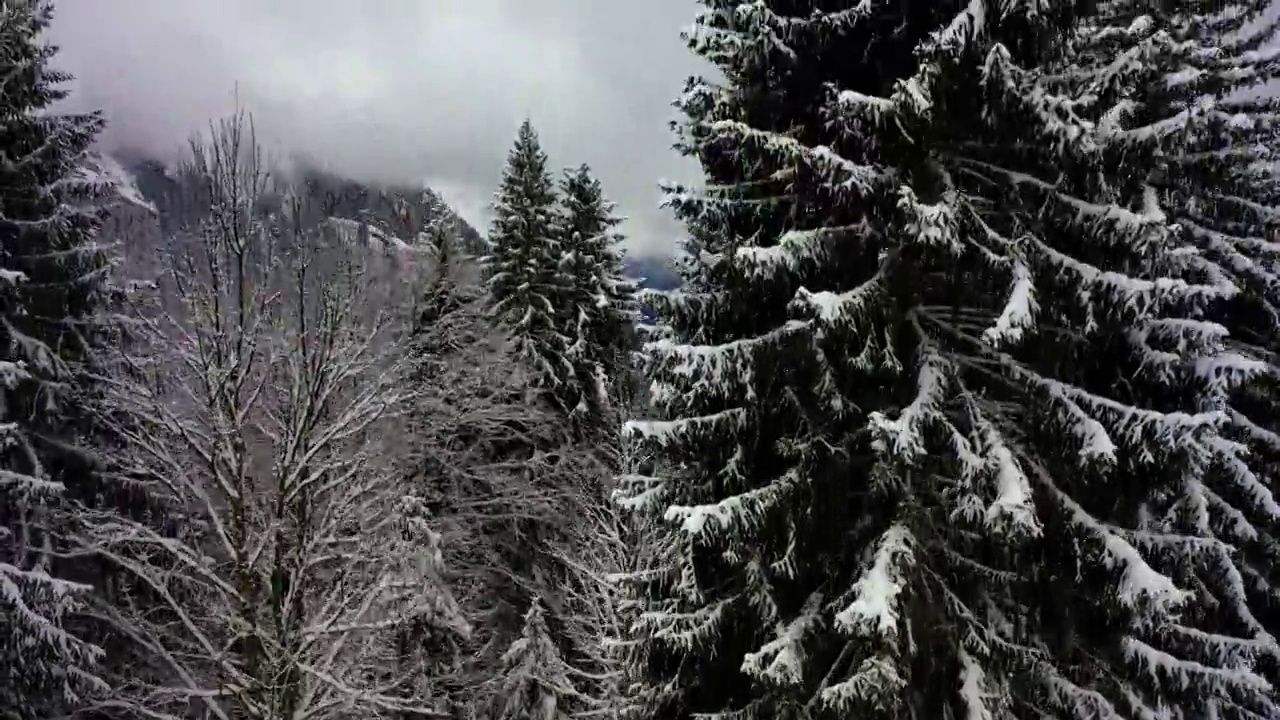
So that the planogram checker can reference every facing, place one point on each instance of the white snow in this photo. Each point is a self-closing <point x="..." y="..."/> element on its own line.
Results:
<point x="875" y="611"/>
<point x="349" y="231"/>
<point x="100" y="168"/>
<point x="1019" y="311"/>
<point x="971" y="688"/>
<point x="781" y="660"/>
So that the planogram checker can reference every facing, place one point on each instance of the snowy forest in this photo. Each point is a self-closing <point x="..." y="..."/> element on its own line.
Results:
<point x="966" y="405"/>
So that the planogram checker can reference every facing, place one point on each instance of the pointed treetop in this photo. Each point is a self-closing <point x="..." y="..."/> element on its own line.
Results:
<point x="527" y="151"/>
<point x="537" y="683"/>
<point x="581" y="177"/>
<point x="587" y="210"/>
<point x="525" y="175"/>
<point x="526" y="134"/>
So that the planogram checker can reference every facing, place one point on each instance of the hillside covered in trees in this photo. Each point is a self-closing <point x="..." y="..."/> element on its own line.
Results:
<point x="960" y="399"/>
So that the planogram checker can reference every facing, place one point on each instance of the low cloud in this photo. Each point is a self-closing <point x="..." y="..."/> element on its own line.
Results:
<point x="400" y="90"/>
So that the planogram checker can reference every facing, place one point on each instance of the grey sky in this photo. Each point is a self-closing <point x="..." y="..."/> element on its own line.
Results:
<point x="401" y="90"/>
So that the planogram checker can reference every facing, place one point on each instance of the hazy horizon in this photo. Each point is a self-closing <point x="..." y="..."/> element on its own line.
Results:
<point x="400" y="93"/>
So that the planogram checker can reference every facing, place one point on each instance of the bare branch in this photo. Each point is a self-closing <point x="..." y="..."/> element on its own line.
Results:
<point x="263" y="402"/>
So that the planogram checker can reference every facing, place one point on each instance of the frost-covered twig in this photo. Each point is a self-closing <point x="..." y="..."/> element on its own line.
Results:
<point x="261" y="406"/>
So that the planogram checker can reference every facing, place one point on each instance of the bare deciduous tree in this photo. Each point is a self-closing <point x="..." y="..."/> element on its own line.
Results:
<point x="262" y="399"/>
<point x="598" y="619"/>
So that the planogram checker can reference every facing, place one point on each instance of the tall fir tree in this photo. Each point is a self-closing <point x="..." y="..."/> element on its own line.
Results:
<point x="500" y="469"/>
<point x="1184" y="84"/>
<point x="526" y="284"/>
<point x="50" y="278"/>
<point x="941" y="361"/>
<point x="601" y="308"/>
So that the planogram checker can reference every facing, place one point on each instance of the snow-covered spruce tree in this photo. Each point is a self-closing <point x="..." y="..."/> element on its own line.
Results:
<point x="448" y="320"/>
<point x="526" y="284"/>
<point x="600" y="312"/>
<point x="50" y="279"/>
<point x="496" y="466"/>
<point x="536" y="683"/>
<point x="262" y="401"/>
<point x="1183" y="85"/>
<point x="940" y="357"/>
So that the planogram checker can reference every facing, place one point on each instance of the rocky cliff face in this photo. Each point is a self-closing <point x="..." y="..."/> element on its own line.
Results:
<point x="147" y="191"/>
<point x="151" y="202"/>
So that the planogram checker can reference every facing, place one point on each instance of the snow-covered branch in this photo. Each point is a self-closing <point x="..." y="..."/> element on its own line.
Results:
<point x="262" y="405"/>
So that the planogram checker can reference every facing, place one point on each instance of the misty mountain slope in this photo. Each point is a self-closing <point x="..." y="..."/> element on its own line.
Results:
<point x="148" y="199"/>
<point x="392" y="213"/>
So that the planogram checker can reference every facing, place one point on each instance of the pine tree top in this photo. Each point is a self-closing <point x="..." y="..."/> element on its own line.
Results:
<point x="588" y="219"/>
<point x="537" y="682"/>
<point x="526" y="177"/>
<point x="582" y="189"/>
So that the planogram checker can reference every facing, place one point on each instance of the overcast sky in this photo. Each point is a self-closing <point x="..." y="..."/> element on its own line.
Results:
<point x="401" y="90"/>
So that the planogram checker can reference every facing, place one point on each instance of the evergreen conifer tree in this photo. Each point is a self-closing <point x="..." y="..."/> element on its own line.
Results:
<point x="942" y="364"/>
<point x="525" y="282"/>
<point x="498" y="467"/>
<point x="50" y="274"/>
<point x="1183" y="85"/>
<point x="537" y="684"/>
<point x="601" y="305"/>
